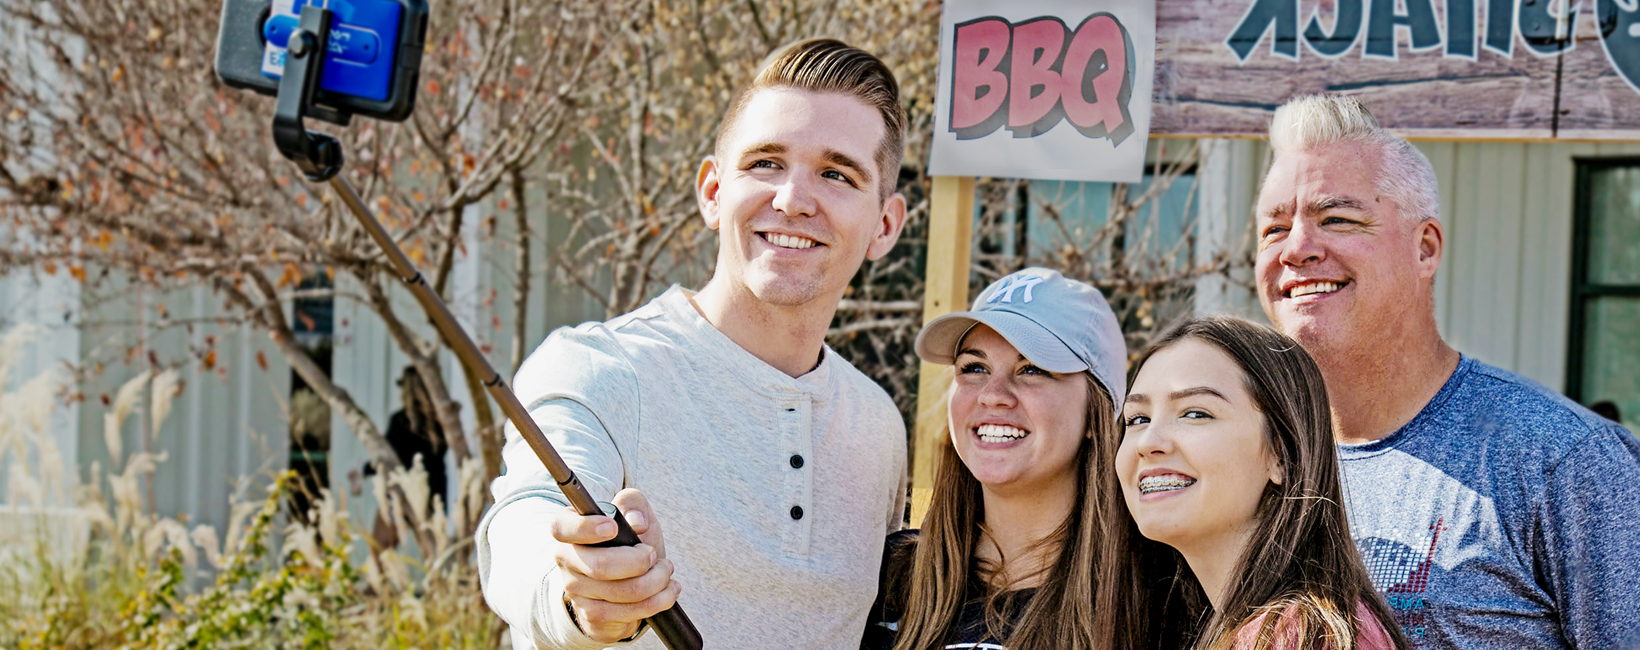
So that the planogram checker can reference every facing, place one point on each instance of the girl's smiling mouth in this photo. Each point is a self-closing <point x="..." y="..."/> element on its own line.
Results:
<point x="999" y="433"/>
<point x="1169" y="482"/>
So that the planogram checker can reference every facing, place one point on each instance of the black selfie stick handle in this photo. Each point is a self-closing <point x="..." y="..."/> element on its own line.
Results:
<point x="320" y="158"/>
<point x="667" y="626"/>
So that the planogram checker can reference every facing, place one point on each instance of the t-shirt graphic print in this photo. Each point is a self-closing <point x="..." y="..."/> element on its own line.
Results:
<point x="1405" y="571"/>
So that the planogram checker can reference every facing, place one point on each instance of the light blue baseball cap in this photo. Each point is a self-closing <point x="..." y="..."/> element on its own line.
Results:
<point x="1060" y="324"/>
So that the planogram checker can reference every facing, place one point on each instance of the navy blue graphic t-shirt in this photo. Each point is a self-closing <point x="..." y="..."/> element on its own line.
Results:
<point x="1502" y="516"/>
<point x="970" y="631"/>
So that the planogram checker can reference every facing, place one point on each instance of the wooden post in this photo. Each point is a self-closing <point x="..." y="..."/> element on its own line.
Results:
<point x="945" y="289"/>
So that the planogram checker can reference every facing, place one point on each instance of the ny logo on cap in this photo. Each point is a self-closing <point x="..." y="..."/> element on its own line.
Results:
<point x="1012" y="283"/>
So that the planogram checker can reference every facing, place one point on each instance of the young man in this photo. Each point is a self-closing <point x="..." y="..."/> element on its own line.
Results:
<point x="1491" y="512"/>
<point x="776" y="466"/>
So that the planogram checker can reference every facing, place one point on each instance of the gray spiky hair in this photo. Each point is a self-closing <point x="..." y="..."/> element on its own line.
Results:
<point x="1404" y="175"/>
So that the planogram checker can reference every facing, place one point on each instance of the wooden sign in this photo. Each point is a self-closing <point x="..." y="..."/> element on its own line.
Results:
<point x="1436" y="69"/>
<point x="1050" y="89"/>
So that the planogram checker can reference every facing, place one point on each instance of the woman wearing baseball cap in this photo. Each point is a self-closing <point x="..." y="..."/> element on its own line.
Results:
<point x="1009" y="550"/>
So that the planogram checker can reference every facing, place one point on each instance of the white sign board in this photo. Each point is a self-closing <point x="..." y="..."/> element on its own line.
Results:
<point x="1048" y="89"/>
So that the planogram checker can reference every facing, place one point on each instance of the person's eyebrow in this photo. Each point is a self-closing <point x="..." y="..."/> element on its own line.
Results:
<point x="1279" y="211"/>
<point x="844" y="160"/>
<point x="1196" y="390"/>
<point x="763" y="148"/>
<point x="1138" y="398"/>
<point x="1326" y="203"/>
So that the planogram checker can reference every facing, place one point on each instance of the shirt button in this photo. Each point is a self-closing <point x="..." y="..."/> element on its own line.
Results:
<point x="797" y="512"/>
<point x="797" y="461"/>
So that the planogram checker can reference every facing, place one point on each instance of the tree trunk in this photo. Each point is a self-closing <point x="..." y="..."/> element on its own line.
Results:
<point x="480" y="441"/>
<point x="484" y="439"/>
<point x="521" y="274"/>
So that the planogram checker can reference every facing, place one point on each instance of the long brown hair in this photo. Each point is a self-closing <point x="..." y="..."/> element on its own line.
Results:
<point x="418" y="408"/>
<point x="1060" y="614"/>
<point x="1301" y="569"/>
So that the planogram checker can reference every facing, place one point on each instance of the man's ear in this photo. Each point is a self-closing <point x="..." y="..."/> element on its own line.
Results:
<point x="706" y="191"/>
<point x="1431" y="245"/>
<point x="891" y="221"/>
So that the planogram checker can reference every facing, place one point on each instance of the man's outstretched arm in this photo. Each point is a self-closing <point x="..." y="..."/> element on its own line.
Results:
<point x="536" y="564"/>
<point x="533" y="563"/>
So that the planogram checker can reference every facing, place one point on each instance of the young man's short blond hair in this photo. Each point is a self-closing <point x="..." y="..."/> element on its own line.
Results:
<point x="832" y="66"/>
<point x="1404" y="175"/>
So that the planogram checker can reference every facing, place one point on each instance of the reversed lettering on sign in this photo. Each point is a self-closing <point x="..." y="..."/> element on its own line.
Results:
<point x="1436" y="69"/>
<point x="1546" y="27"/>
<point x="1619" y="22"/>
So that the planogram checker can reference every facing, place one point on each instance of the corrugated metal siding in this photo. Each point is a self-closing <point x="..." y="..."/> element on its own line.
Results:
<point x="1502" y="296"/>
<point x="1229" y="177"/>
<point x="230" y="420"/>
<point x="52" y="304"/>
<point x="1509" y="250"/>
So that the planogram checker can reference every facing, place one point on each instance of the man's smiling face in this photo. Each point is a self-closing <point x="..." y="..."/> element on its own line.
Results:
<point x="795" y="195"/>
<point x="1338" y="264"/>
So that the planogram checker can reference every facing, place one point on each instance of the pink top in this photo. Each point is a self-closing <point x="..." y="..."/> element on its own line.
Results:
<point x="1370" y="635"/>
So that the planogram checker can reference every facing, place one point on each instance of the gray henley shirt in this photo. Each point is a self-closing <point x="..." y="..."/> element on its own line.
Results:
<point x="773" y="493"/>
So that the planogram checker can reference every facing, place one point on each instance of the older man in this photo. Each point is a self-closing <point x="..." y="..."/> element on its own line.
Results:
<point x="1490" y="511"/>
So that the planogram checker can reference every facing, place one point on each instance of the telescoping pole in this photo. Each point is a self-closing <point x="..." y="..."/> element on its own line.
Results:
<point x="320" y="158"/>
<point x="674" y="628"/>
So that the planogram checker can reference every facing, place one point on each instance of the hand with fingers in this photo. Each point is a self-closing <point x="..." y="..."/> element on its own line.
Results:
<point x="611" y="590"/>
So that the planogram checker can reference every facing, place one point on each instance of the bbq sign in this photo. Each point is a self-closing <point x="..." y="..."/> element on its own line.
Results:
<point x="1048" y="90"/>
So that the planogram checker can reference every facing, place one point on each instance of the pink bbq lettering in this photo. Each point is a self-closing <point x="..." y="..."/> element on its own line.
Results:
<point x="1030" y="76"/>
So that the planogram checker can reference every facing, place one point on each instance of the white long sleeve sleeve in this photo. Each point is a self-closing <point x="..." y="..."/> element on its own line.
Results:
<point x="772" y="492"/>
<point x="521" y="582"/>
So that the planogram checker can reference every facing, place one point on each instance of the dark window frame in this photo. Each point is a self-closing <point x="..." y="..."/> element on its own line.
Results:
<point x="1583" y="291"/>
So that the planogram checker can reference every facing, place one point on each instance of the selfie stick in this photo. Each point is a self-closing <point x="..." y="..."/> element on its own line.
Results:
<point x="320" y="158"/>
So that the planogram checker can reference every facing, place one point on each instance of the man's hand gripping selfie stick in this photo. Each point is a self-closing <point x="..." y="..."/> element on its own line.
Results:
<point x="320" y="158"/>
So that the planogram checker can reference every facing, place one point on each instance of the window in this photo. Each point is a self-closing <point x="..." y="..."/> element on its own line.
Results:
<point x="311" y="317"/>
<point x="1605" y="320"/>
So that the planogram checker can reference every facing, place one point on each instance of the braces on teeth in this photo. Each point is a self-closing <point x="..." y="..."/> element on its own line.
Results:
<point x="1164" y="484"/>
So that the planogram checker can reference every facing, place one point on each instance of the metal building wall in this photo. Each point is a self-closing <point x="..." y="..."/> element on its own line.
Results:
<point x="1502" y="296"/>
<point x="48" y="303"/>
<point x="1505" y="294"/>
<point x="228" y="423"/>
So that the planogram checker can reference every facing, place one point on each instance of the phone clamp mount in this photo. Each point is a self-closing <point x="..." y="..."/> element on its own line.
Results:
<point x="319" y="156"/>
